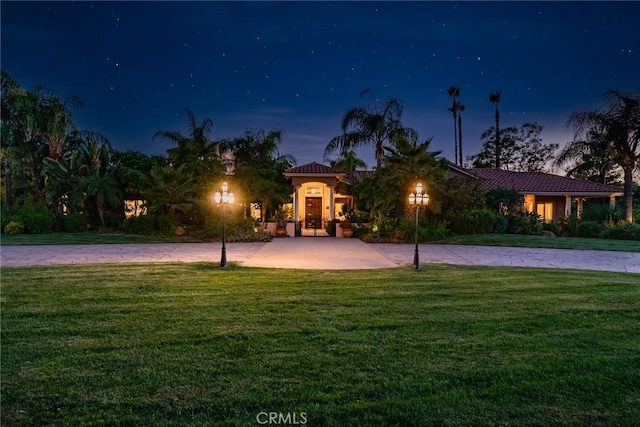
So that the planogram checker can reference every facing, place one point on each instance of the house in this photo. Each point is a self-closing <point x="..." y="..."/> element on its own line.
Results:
<point x="550" y="196"/>
<point x="317" y="199"/>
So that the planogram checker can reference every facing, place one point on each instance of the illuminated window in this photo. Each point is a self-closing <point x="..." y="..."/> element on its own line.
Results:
<point x="134" y="208"/>
<point x="256" y="211"/>
<point x="545" y="210"/>
<point x="529" y="201"/>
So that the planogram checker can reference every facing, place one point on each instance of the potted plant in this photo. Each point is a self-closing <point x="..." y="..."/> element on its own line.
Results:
<point x="347" y="228"/>
<point x="346" y="224"/>
<point x="281" y="223"/>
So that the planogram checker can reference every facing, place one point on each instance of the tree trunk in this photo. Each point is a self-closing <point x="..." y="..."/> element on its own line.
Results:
<point x="628" y="194"/>
<point x="455" y="132"/>
<point x="379" y="153"/>
<point x="498" y="153"/>
<point x="8" y="184"/>
<point x="100" y="208"/>
<point x="460" y="137"/>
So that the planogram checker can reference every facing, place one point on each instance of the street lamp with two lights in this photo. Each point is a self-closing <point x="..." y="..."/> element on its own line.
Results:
<point x="223" y="200"/>
<point x="417" y="198"/>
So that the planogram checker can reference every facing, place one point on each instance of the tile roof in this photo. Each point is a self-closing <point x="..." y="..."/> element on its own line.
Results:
<point x="359" y="176"/>
<point x="539" y="182"/>
<point x="314" y="169"/>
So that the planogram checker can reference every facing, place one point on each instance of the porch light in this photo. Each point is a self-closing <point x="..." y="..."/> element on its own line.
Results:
<point x="417" y="198"/>
<point x="223" y="200"/>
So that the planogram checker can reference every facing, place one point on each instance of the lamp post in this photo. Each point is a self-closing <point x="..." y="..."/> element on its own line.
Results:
<point x="418" y="199"/>
<point x="223" y="199"/>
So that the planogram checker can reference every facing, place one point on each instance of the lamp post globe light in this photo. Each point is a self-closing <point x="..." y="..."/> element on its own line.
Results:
<point x="417" y="198"/>
<point x="223" y="200"/>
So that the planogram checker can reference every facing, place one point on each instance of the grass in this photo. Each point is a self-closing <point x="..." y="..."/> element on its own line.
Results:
<point x="514" y="240"/>
<point x="518" y="240"/>
<point x="88" y="239"/>
<point x="190" y="344"/>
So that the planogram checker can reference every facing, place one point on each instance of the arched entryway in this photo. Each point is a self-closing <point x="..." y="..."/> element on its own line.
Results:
<point x="315" y="200"/>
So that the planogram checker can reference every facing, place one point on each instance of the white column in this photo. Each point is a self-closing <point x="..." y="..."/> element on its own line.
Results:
<point x="579" y="207"/>
<point x="296" y="203"/>
<point x="612" y="202"/>
<point x="567" y="205"/>
<point x="332" y="207"/>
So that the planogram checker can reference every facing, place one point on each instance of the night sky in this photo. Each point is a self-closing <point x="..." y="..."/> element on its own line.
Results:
<point x="299" y="66"/>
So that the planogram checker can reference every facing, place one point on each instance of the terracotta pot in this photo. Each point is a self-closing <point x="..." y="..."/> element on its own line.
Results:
<point x="281" y="231"/>
<point x="347" y="232"/>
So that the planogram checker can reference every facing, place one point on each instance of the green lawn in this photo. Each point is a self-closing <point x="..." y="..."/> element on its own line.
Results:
<point x="480" y="239"/>
<point x="87" y="239"/>
<point x="518" y="240"/>
<point x="191" y="344"/>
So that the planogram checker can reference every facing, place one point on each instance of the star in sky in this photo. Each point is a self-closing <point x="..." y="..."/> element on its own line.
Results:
<point x="299" y="66"/>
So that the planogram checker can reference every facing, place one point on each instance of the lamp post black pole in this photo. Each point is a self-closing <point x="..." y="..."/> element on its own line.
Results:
<point x="416" y="256"/>
<point x="417" y="198"/>
<point x="223" y="200"/>
<point x="223" y="259"/>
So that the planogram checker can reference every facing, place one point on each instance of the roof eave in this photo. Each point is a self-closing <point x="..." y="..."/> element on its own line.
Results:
<point x="573" y="193"/>
<point x="315" y="175"/>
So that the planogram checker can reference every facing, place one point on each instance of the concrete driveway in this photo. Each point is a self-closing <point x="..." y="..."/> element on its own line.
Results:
<point x="322" y="254"/>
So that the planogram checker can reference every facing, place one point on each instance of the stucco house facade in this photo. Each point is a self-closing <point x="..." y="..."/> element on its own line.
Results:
<point x="551" y="196"/>
<point x="317" y="199"/>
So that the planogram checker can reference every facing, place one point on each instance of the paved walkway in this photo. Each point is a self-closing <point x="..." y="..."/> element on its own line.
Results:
<point x="320" y="253"/>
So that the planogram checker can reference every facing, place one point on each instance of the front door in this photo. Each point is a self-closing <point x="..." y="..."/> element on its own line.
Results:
<point x="313" y="212"/>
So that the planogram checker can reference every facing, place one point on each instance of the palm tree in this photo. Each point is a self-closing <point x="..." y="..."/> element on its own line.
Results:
<point x="172" y="191"/>
<point x="8" y="89"/>
<point x="86" y="176"/>
<point x="102" y="189"/>
<point x="349" y="162"/>
<point x="408" y="162"/>
<point x="461" y="108"/>
<point x="494" y="98"/>
<point x="590" y="158"/>
<point x="620" y="121"/>
<point x="366" y="126"/>
<point x="57" y="120"/>
<point x="259" y="166"/>
<point x="454" y="92"/>
<point x="196" y="145"/>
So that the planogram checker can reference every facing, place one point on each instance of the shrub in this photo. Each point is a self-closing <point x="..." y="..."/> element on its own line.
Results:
<point x="37" y="221"/>
<point x="569" y="225"/>
<point x="434" y="230"/>
<point x="249" y="236"/>
<point x="6" y="217"/>
<point x="331" y="227"/>
<point x="113" y="220"/>
<point x="502" y="223"/>
<point x="528" y="223"/>
<point x="589" y="229"/>
<point x="14" y="227"/>
<point x="550" y="226"/>
<point x="623" y="232"/>
<point x="361" y="230"/>
<point x="143" y="224"/>
<point x="76" y="223"/>
<point x="371" y="237"/>
<point x="165" y="224"/>
<point x="600" y="213"/>
<point x="384" y="226"/>
<point x="475" y="221"/>
<point x="237" y="228"/>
